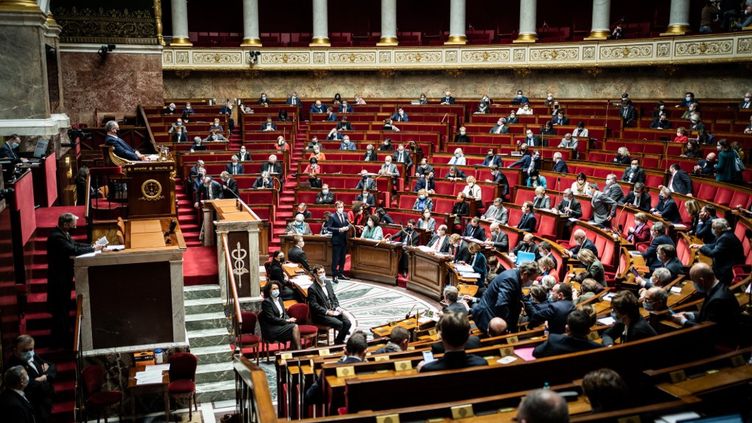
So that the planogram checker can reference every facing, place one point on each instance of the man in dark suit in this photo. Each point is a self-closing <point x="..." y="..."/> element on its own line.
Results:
<point x="426" y="182"/>
<point x="474" y="230"/>
<point x="706" y="166"/>
<point x="366" y="182"/>
<point x="355" y="352"/>
<point x="555" y="312"/>
<point x="264" y="181"/>
<point x="575" y="339"/>
<point x="325" y="196"/>
<point x="14" y="405"/>
<point x="519" y="98"/>
<point x="272" y="166"/>
<point x="10" y="148"/>
<point x="296" y="253"/>
<point x="720" y="305"/>
<point x="527" y="221"/>
<point x="498" y="239"/>
<point x="629" y="325"/>
<point x="344" y="124"/>
<point x="317" y="107"/>
<point x="324" y="305"/>
<point x="455" y="329"/>
<point x="569" y="205"/>
<point x="628" y="113"/>
<point x="41" y="373"/>
<point x="409" y="238"/>
<point x="503" y="297"/>
<point x="638" y="197"/>
<point x="268" y="126"/>
<point x="61" y="249"/>
<point x="209" y="190"/>
<point x="581" y="241"/>
<point x="613" y="189"/>
<point x="234" y="167"/>
<point x="658" y="232"/>
<point x="121" y="148"/>
<point x="679" y="180"/>
<point x="339" y="226"/>
<point x="634" y="173"/>
<point x="440" y="242"/>
<point x="531" y="140"/>
<point x="667" y="257"/>
<point x="370" y="155"/>
<point x="230" y="187"/>
<point x="560" y="166"/>
<point x="703" y="227"/>
<point x="293" y="100"/>
<point x="726" y="251"/>
<point x="458" y="249"/>
<point x="666" y="207"/>
<point x="403" y="156"/>
<point x="344" y="107"/>
<point x="560" y="119"/>
<point x="447" y="99"/>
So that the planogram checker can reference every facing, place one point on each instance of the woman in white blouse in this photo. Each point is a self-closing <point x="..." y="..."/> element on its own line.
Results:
<point x="472" y="190"/>
<point x="580" y="186"/>
<point x="458" y="159"/>
<point x="525" y="110"/>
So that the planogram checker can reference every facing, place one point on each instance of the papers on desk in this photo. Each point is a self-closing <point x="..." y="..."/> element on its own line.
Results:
<point x="680" y="226"/>
<point x="608" y="296"/>
<point x="607" y="321"/>
<point x="463" y="268"/>
<point x="152" y="157"/>
<point x="102" y="241"/>
<point x="635" y="253"/>
<point x="676" y="289"/>
<point x="92" y="254"/>
<point x="290" y="265"/>
<point x="525" y="353"/>
<point x="114" y="247"/>
<point x="151" y="375"/>
<point x="506" y="360"/>
<point x="425" y="248"/>
<point x="302" y="281"/>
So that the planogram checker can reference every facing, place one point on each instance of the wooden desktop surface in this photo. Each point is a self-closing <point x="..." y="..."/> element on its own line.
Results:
<point x="227" y="209"/>
<point x="150" y="234"/>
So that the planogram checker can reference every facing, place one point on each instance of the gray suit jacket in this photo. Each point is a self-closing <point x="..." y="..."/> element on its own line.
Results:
<point x="603" y="208"/>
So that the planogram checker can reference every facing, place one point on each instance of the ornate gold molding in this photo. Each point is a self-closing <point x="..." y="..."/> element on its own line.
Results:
<point x="180" y="42"/>
<point x="387" y="42"/>
<point x="660" y="51"/>
<point x="251" y="42"/>
<point x="320" y="42"/>
<point x="20" y="6"/>
<point x="675" y="29"/>
<point x="526" y="38"/>
<point x="598" y="35"/>
<point x="456" y="40"/>
<point x="158" y="20"/>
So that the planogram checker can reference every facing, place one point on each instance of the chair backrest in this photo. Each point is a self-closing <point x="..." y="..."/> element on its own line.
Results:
<point x="300" y="312"/>
<point x="249" y="322"/>
<point x="183" y="366"/>
<point x="93" y="377"/>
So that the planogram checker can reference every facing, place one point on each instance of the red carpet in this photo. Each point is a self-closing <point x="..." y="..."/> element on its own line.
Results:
<point x="47" y="217"/>
<point x="200" y="266"/>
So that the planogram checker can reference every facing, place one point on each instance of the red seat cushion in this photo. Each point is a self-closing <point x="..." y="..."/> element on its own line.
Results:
<point x="247" y="339"/>
<point x="308" y="329"/>
<point x="182" y="386"/>
<point x="104" y="398"/>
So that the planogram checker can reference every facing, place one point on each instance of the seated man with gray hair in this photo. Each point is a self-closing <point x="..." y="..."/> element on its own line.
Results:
<point x="726" y="251"/>
<point x="497" y="212"/>
<point x="660" y="277"/>
<point x="299" y="226"/>
<point x="14" y="405"/>
<point x="452" y="303"/>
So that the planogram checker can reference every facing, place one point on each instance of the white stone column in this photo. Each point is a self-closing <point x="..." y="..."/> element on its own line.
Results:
<point x="457" y="23"/>
<point x="320" y="24"/>
<point x="678" y="20"/>
<point x="528" y="14"/>
<point x="388" y="23"/>
<point x="251" y="37"/>
<point x="600" y="28"/>
<point x="180" y="24"/>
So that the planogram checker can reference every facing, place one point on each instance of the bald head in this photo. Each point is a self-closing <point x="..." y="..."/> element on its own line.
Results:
<point x="497" y="327"/>
<point x="702" y="276"/>
<point x="543" y="406"/>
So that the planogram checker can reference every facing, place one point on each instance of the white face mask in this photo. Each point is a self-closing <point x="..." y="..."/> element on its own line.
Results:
<point x="325" y="191"/>
<point x="340" y="209"/>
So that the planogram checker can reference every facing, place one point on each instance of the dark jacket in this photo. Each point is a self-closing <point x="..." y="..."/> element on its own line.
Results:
<point x="575" y="208"/>
<point x="203" y="191"/>
<point x="527" y="222"/>
<point x="555" y="313"/>
<point x="669" y="210"/>
<point x="334" y="223"/>
<point x="271" y="168"/>
<point x="39" y="393"/>
<point x="639" y="329"/>
<point x="560" y="167"/>
<point x="444" y="246"/>
<point x="476" y="232"/>
<point x="588" y="245"/>
<point x="726" y="252"/>
<point x="15" y="408"/>
<point x="297" y="255"/>
<point x="500" y="241"/>
<point x="720" y="306"/>
<point x="327" y="198"/>
<point x="644" y="203"/>
<point x="651" y="254"/>
<point x="681" y="183"/>
<point x="271" y="320"/>
<point x="234" y="169"/>
<point x="558" y="344"/>
<point x="502" y="299"/>
<point x="454" y="360"/>
<point x="60" y="252"/>
<point x="632" y="176"/>
<point x="321" y="299"/>
<point x="121" y="148"/>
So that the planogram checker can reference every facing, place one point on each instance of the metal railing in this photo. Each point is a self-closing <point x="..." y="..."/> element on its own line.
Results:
<point x="232" y="303"/>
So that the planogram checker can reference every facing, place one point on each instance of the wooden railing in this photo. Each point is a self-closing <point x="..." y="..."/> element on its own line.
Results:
<point x="77" y="383"/>
<point x="252" y="396"/>
<point x="150" y="135"/>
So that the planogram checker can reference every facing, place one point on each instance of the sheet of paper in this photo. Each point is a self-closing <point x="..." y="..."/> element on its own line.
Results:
<point x="506" y="360"/>
<point x="158" y="368"/>
<point x="470" y="275"/>
<point x="676" y="290"/>
<point x="89" y="254"/>
<point x="114" y="247"/>
<point x="525" y="353"/>
<point x="462" y="268"/>
<point x="608" y="321"/>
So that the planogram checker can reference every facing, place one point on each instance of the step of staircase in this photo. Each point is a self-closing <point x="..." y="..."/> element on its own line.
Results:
<point x="204" y="305"/>
<point x="208" y="337"/>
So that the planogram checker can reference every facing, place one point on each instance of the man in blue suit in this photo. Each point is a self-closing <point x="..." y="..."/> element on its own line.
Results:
<point x="503" y="297"/>
<point x="122" y="149"/>
<point x="339" y="226"/>
<point x="726" y="251"/>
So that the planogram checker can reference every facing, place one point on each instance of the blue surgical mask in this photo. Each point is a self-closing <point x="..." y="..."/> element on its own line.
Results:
<point x="275" y="293"/>
<point x="647" y="305"/>
<point x="27" y="355"/>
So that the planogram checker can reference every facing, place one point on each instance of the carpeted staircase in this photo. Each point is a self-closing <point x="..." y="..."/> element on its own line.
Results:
<point x="286" y="206"/>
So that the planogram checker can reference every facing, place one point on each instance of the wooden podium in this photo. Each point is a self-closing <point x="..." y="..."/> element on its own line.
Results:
<point x="151" y="188"/>
<point x="428" y="272"/>
<point x="318" y="249"/>
<point x="374" y="260"/>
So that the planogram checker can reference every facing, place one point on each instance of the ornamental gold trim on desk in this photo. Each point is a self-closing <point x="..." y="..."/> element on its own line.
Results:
<point x="673" y="51"/>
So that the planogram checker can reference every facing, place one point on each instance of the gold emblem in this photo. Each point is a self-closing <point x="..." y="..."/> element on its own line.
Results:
<point x="151" y="190"/>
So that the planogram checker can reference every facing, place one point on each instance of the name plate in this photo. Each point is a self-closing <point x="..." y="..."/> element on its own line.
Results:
<point x="324" y="351"/>
<point x="345" y="371"/>
<point x="389" y="418"/>
<point x="462" y="411"/>
<point x="403" y="365"/>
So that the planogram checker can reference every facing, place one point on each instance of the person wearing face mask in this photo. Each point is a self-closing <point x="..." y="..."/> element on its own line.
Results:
<point x="458" y="159"/>
<point x="612" y="189"/>
<point x="519" y="98"/>
<point x="15" y="406"/>
<point x="243" y="154"/>
<point x="281" y="145"/>
<point x="634" y="173"/>
<point x="555" y="312"/>
<point x="121" y="148"/>
<point x="491" y="159"/>
<point x="629" y="325"/>
<point x="264" y="181"/>
<point x="389" y="168"/>
<point x="370" y="155"/>
<point x="344" y="124"/>
<point x="423" y="202"/>
<point x="423" y="168"/>
<point x="473" y="191"/>
<point x="659" y="237"/>
<point x="41" y="374"/>
<point x="9" y="150"/>
<point x="726" y="251"/>
<point x="661" y="122"/>
<point x="366" y="182"/>
<point x="446" y="100"/>
<point x="272" y="166"/>
<point x="297" y="255"/>
<point x="403" y="156"/>
<point x="325" y="196"/>
<point x="276" y="324"/>
<point x="234" y="167"/>
<point x="593" y="267"/>
<point x="531" y="139"/>
<point x="346" y="144"/>
<point x="719" y="305"/>
<point x="264" y="100"/>
<point x="666" y="207"/>
<point x="268" y="126"/>
<point x="299" y="226"/>
<point x="500" y="127"/>
<point x="324" y="305"/>
<point x="640" y="232"/>
<point x="689" y="98"/>
<point x="338" y="225"/>
<point x="400" y="116"/>
<point x="366" y="198"/>
<point x="746" y="102"/>
<point x="275" y="272"/>
<point x="497" y="212"/>
<point x="638" y="197"/>
<point x="373" y="229"/>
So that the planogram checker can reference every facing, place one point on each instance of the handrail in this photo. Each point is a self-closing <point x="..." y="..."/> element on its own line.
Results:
<point x="77" y="386"/>
<point x="87" y="197"/>
<point x="253" y="399"/>
<point x="142" y="114"/>
<point x="77" y="327"/>
<point x="238" y="318"/>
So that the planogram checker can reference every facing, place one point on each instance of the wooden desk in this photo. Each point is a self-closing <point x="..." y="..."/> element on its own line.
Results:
<point x="708" y="381"/>
<point x="150" y="233"/>
<point x="428" y="272"/>
<point x="374" y="260"/>
<point x="137" y="390"/>
<point x="318" y="249"/>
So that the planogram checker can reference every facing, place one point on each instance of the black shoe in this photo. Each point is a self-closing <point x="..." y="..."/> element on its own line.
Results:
<point x="335" y="280"/>
<point x="344" y="278"/>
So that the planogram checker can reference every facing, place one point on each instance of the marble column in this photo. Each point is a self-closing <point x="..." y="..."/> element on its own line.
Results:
<point x="678" y="20"/>
<point x="251" y="37"/>
<point x="528" y="14"/>
<point x="320" y="24"/>
<point x="457" y="23"/>
<point x="180" y="24"/>
<point x="601" y="26"/>
<point x="388" y="23"/>
<point x="23" y="79"/>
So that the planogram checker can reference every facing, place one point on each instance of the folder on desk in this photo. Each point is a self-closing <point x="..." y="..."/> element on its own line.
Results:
<point x="524" y="256"/>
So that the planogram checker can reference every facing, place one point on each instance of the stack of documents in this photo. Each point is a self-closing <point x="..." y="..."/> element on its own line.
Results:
<point x="151" y="374"/>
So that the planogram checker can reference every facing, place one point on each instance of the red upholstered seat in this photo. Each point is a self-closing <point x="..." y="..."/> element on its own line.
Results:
<point x="723" y="195"/>
<point x="97" y="400"/>
<point x="248" y="338"/>
<point x="308" y="330"/>
<point x="183" y="386"/>
<point x="300" y="313"/>
<point x="547" y="226"/>
<point x="706" y="192"/>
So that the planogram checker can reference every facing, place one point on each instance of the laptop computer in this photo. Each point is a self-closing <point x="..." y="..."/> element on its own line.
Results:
<point x="524" y="256"/>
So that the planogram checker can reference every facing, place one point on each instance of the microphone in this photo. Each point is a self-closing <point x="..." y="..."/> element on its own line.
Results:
<point x="226" y="188"/>
<point x="407" y="316"/>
